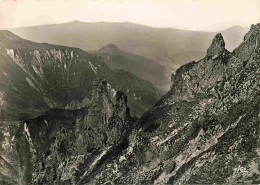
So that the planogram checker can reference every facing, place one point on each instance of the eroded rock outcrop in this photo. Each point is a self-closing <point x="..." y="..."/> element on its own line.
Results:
<point x="217" y="47"/>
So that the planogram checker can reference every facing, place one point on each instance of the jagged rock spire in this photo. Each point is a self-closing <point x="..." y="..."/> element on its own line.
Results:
<point x="217" y="46"/>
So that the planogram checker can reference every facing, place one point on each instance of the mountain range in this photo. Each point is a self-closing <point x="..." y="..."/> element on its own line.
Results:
<point x="167" y="47"/>
<point x="38" y="77"/>
<point x="204" y="130"/>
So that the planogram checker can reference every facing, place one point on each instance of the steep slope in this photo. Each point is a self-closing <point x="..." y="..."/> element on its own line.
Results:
<point x="140" y="66"/>
<point x="167" y="46"/>
<point x="36" y="77"/>
<point x="206" y="129"/>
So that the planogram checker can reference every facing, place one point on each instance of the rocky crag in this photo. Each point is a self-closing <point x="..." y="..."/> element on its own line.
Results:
<point x="205" y="130"/>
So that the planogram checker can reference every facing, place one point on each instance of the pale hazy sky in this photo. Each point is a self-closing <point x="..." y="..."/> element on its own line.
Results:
<point x="208" y="15"/>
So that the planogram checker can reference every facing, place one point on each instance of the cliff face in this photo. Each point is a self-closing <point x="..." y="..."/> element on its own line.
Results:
<point x="206" y="129"/>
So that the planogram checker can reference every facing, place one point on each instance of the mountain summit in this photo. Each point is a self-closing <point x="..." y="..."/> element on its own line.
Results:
<point x="111" y="49"/>
<point x="140" y="66"/>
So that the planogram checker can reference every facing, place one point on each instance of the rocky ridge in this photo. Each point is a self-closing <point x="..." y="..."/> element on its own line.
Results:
<point x="205" y="130"/>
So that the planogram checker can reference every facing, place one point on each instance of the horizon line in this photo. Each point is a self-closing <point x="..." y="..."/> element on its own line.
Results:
<point x="123" y="22"/>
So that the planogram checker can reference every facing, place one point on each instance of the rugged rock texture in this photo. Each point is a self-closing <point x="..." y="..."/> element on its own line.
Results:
<point x="68" y="146"/>
<point x="217" y="47"/>
<point x="205" y="130"/>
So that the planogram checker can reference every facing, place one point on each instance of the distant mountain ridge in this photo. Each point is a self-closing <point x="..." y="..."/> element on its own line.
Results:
<point x="234" y="36"/>
<point x="167" y="46"/>
<point x="140" y="66"/>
